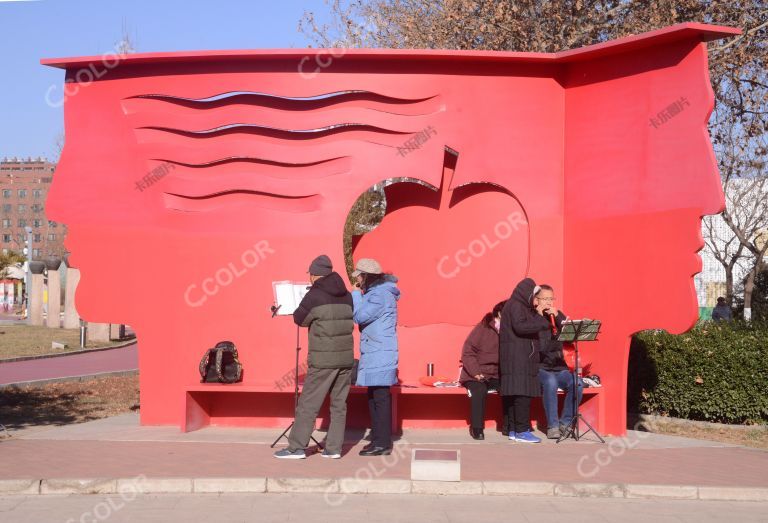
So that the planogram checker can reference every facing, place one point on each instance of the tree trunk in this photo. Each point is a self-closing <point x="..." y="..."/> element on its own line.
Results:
<point x="729" y="285"/>
<point x="749" y="285"/>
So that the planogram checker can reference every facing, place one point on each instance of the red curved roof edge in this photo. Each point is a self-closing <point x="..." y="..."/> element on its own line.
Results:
<point x="667" y="35"/>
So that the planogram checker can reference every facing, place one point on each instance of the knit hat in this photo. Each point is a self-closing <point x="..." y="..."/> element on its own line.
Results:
<point x="321" y="266"/>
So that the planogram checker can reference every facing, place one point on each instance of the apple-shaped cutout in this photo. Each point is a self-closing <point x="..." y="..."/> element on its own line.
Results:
<point x="455" y="252"/>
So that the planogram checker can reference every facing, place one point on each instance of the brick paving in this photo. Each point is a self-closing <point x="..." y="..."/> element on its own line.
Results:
<point x="120" y="448"/>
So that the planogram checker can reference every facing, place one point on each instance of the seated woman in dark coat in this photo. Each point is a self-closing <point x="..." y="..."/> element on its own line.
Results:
<point x="480" y="367"/>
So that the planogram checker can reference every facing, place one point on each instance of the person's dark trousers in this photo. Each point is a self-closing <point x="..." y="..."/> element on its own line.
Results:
<point x="550" y="382"/>
<point x="518" y="410"/>
<point x="380" y="407"/>
<point x="478" y="391"/>
<point x="316" y="386"/>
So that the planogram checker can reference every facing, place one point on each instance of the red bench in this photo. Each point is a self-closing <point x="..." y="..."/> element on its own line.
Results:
<point x="266" y="405"/>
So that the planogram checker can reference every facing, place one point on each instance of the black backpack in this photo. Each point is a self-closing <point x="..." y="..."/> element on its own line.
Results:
<point x="221" y="365"/>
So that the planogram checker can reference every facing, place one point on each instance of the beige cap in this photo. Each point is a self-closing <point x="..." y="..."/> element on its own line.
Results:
<point x="367" y="265"/>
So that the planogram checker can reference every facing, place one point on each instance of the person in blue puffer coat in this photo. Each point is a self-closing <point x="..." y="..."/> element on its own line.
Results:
<point x="375" y="311"/>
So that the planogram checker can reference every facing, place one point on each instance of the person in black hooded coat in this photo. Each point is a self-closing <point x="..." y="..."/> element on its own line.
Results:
<point x="520" y="333"/>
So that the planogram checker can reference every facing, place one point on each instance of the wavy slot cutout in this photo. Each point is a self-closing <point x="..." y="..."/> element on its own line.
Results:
<point x="212" y="202"/>
<point x="285" y="102"/>
<point x="261" y="168"/>
<point x="288" y="134"/>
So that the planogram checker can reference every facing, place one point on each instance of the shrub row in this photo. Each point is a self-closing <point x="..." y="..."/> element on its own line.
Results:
<point x="716" y="372"/>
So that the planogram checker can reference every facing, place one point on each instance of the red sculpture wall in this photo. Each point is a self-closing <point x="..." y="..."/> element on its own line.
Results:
<point x="191" y="181"/>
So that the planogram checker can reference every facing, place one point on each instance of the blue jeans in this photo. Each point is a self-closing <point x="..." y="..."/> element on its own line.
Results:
<point x="550" y="381"/>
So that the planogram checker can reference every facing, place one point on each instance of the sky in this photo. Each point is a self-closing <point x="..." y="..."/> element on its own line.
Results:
<point x="31" y="30"/>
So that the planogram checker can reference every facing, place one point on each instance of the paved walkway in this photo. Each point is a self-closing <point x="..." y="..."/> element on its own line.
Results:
<point x="119" y="448"/>
<point x="318" y="508"/>
<point x="112" y="360"/>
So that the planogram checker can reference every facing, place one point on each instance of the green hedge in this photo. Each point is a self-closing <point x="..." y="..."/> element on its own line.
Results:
<point x="716" y="372"/>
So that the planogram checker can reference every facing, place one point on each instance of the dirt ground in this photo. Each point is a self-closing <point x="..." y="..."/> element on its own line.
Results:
<point x="68" y="402"/>
<point x="751" y="437"/>
<point x="27" y="340"/>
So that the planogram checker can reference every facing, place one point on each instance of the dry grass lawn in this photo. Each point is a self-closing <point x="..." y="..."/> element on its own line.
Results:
<point x="27" y="340"/>
<point x="68" y="402"/>
<point x="750" y="437"/>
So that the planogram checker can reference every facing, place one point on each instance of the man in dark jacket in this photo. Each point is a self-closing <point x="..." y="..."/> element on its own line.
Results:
<point x="721" y="312"/>
<point x="522" y="328"/>
<point x="327" y="310"/>
<point x="553" y="370"/>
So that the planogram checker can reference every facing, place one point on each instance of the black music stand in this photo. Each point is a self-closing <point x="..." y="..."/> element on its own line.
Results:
<point x="295" y="394"/>
<point x="575" y="331"/>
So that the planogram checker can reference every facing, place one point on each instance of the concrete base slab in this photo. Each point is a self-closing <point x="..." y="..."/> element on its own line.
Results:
<point x="435" y="465"/>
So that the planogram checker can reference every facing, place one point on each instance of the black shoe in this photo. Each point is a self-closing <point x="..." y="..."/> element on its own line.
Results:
<point x="476" y="433"/>
<point x="376" y="451"/>
<point x="369" y="446"/>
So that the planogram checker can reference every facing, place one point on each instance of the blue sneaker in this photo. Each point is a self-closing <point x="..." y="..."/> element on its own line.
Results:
<point x="526" y="437"/>
<point x="290" y="454"/>
<point x="330" y="455"/>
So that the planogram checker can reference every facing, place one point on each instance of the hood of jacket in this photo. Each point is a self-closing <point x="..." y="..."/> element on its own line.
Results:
<point x="523" y="292"/>
<point x="388" y="285"/>
<point x="331" y="284"/>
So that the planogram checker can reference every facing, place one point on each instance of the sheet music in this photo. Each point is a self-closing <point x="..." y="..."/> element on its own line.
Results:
<point x="587" y="330"/>
<point x="288" y="295"/>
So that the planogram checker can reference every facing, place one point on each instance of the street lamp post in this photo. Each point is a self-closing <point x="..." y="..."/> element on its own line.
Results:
<point x="28" y="254"/>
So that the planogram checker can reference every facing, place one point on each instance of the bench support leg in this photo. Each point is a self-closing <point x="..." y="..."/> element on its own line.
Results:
<point x="196" y="413"/>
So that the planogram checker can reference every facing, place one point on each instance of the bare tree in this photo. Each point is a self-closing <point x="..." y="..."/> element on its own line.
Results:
<point x="747" y="216"/>
<point x="726" y="249"/>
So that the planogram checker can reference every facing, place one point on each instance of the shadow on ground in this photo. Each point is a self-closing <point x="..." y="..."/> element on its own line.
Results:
<point x="68" y="402"/>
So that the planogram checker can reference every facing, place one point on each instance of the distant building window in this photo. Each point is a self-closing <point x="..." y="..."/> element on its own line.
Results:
<point x="36" y="253"/>
<point x="6" y="223"/>
<point x="52" y="237"/>
<point x="36" y="223"/>
<point x="37" y="208"/>
<point x="37" y="194"/>
<point x="37" y="237"/>
<point x="7" y="193"/>
<point x="7" y="207"/>
<point x="22" y="207"/>
<point x="22" y="222"/>
<point x="6" y="238"/>
<point x="22" y="193"/>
